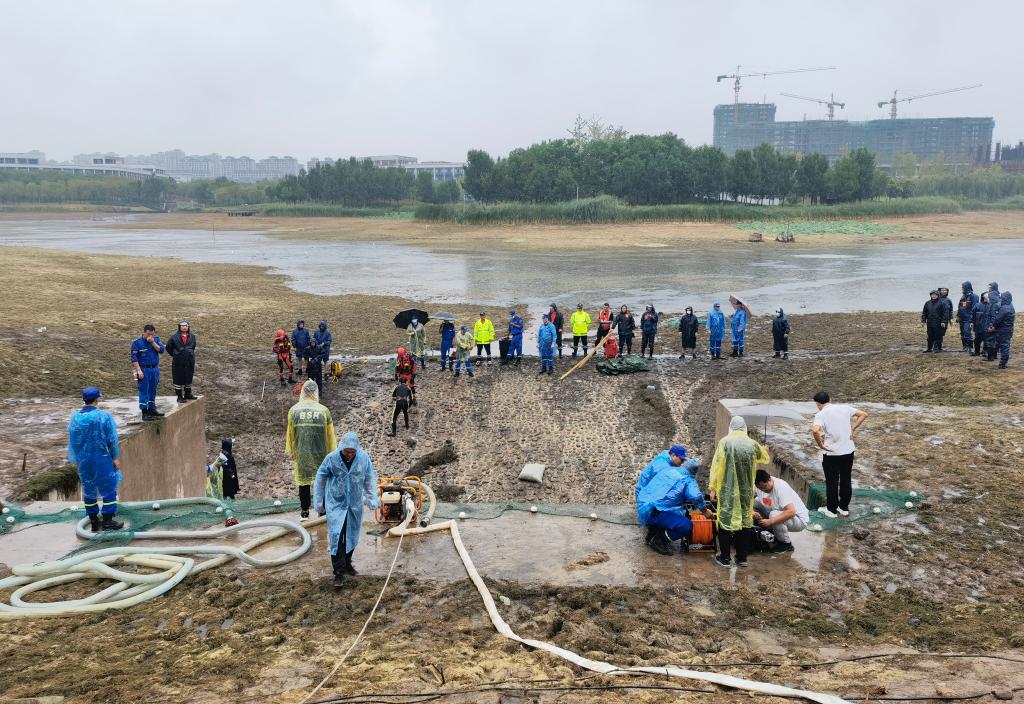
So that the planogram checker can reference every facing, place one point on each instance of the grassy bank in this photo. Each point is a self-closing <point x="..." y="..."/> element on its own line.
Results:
<point x="606" y="209"/>
<point x="329" y="210"/>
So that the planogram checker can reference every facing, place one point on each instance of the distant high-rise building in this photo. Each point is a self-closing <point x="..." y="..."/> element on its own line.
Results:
<point x="1009" y="159"/>
<point x="965" y="140"/>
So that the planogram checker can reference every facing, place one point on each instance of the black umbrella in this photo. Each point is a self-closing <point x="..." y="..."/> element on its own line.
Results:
<point x="403" y="319"/>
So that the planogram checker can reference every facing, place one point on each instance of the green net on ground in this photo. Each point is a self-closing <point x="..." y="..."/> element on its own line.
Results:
<point x="867" y="504"/>
<point x="622" y="365"/>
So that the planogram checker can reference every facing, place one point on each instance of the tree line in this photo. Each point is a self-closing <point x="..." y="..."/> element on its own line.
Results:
<point x="358" y="183"/>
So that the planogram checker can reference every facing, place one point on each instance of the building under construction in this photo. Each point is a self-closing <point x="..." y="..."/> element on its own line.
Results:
<point x="959" y="140"/>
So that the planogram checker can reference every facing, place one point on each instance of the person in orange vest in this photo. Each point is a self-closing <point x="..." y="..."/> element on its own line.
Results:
<point x="604" y="323"/>
<point x="405" y="368"/>
<point x="283" y="352"/>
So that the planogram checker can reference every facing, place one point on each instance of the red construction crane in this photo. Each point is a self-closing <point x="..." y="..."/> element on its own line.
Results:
<point x="893" y="100"/>
<point x="831" y="102"/>
<point x="737" y="76"/>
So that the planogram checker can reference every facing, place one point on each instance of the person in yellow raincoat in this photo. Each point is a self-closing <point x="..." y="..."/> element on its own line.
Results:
<point x="309" y="439"/>
<point x="483" y="333"/>
<point x="732" y="486"/>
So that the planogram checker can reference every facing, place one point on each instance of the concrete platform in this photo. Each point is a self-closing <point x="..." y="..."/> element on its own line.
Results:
<point x="530" y="548"/>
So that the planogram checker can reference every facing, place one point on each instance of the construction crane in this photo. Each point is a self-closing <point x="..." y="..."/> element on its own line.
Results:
<point x="893" y="100"/>
<point x="737" y="76"/>
<point x="831" y="102"/>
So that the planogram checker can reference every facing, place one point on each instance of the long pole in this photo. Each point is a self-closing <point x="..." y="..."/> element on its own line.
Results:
<point x="586" y="359"/>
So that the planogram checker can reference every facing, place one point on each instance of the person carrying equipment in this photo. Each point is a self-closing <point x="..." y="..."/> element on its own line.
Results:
<point x="546" y="345"/>
<point x="145" y="354"/>
<point x="93" y="449"/>
<point x="405" y="368"/>
<point x="780" y="334"/>
<point x="447" y="338"/>
<point x="283" y="353"/>
<point x="483" y="333"/>
<point x="969" y="301"/>
<point x="731" y="485"/>
<point x="402" y="395"/>
<point x="418" y="341"/>
<point x="309" y="438"/>
<point x="182" y="349"/>
<point x="688" y="325"/>
<point x="664" y="489"/>
<point x="464" y="351"/>
<point x="739" y="329"/>
<point x="344" y="482"/>
<point x="300" y="341"/>
<point x="515" y="336"/>
<point x="716" y="330"/>
<point x="580" y="322"/>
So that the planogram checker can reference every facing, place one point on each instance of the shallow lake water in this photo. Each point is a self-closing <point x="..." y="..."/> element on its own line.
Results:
<point x="800" y="278"/>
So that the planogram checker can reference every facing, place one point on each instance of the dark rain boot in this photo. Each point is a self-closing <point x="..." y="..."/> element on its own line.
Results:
<point x="188" y="394"/>
<point x="518" y="360"/>
<point x="786" y="355"/>
<point x="777" y="355"/>
<point x="94" y="524"/>
<point x="470" y="374"/>
<point x="180" y="395"/>
<point x="734" y="352"/>
<point x="350" y="570"/>
<point x="111" y="523"/>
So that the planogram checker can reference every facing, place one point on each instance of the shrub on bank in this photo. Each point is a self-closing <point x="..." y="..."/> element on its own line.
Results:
<point x="607" y="209"/>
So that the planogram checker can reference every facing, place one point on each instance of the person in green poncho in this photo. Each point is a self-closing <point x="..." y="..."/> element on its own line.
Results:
<point x="310" y="438"/>
<point x="418" y="342"/>
<point x="732" y="485"/>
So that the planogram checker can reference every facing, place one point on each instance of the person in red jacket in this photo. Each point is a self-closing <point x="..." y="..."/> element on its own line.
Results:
<point x="283" y="352"/>
<point x="405" y="368"/>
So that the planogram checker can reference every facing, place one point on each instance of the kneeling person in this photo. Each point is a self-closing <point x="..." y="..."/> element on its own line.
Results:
<point x="661" y="502"/>
<point x="779" y="509"/>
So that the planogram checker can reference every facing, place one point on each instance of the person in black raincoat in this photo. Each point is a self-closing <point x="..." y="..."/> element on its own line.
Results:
<point x="780" y="334"/>
<point x="947" y="312"/>
<point x="978" y="324"/>
<point x="990" y="313"/>
<point x="626" y="325"/>
<point x="1001" y="327"/>
<point x="965" y="315"/>
<point x="933" y="317"/>
<point x="229" y="481"/>
<point x="688" y="325"/>
<point x="182" y="349"/>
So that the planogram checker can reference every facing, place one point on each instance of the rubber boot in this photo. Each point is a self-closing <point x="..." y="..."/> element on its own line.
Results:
<point x="180" y="395"/>
<point x="518" y="360"/>
<point x="94" y="524"/>
<point x="734" y="352"/>
<point x="290" y="380"/>
<point x="111" y="523"/>
<point x="339" y="581"/>
<point x="786" y="355"/>
<point x="350" y="570"/>
<point x="188" y="394"/>
<point x="695" y="356"/>
<point x="741" y="353"/>
<point x="470" y="374"/>
<point x="147" y="414"/>
<point x="1002" y="365"/>
<point x="777" y="355"/>
<point x="281" y="381"/>
<point x="155" y="413"/>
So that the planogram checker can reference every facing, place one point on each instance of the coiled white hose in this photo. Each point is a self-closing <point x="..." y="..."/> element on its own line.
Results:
<point x="132" y="588"/>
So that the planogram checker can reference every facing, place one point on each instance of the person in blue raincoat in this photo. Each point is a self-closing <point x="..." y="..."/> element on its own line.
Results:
<point x="515" y="334"/>
<point x="447" y="338"/>
<point x="716" y="330"/>
<point x="300" y="342"/>
<point x="969" y="301"/>
<point x="93" y="449"/>
<point x="660" y="461"/>
<point x="738" y="324"/>
<point x="1001" y="327"/>
<point x="322" y="340"/>
<point x="546" y="345"/>
<point x="661" y="501"/>
<point x="145" y="355"/>
<point x="345" y="482"/>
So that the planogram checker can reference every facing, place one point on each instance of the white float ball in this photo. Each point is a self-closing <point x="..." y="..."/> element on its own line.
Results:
<point x="909" y="504"/>
<point x="9" y="519"/>
<point x="6" y="510"/>
<point x="220" y="509"/>
<point x="462" y="515"/>
<point x="816" y="527"/>
<point x="533" y="509"/>
<point x="156" y="505"/>
<point x="913" y="494"/>
<point x="277" y="502"/>
<point x="593" y="516"/>
<point x="876" y="510"/>
<point x="73" y="508"/>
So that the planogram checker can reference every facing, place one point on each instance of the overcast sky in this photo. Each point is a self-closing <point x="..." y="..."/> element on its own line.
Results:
<point x="433" y="79"/>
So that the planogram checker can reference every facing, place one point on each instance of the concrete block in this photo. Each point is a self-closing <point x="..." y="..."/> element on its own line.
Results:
<point x="165" y="459"/>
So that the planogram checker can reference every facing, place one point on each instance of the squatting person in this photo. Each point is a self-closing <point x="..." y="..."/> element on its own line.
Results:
<point x="664" y="489"/>
<point x="779" y="509"/>
<point x="345" y="482"/>
<point x="145" y="354"/>
<point x="833" y="432"/>
<point x="93" y="449"/>
<point x="310" y="437"/>
<point x="182" y="349"/>
<point x="732" y="485"/>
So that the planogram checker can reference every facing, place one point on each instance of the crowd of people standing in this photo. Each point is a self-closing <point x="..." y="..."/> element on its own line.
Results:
<point x="986" y="321"/>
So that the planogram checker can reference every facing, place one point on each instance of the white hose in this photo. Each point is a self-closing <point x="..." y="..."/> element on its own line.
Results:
<point x="131" y="588"/>
<point x="597" y="665"/>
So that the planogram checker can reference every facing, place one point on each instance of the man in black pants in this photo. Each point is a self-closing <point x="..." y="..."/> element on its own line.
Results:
<point x="933" y="317"/>
<point x="403" y="396"/>
<point x="833" y="431"/>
